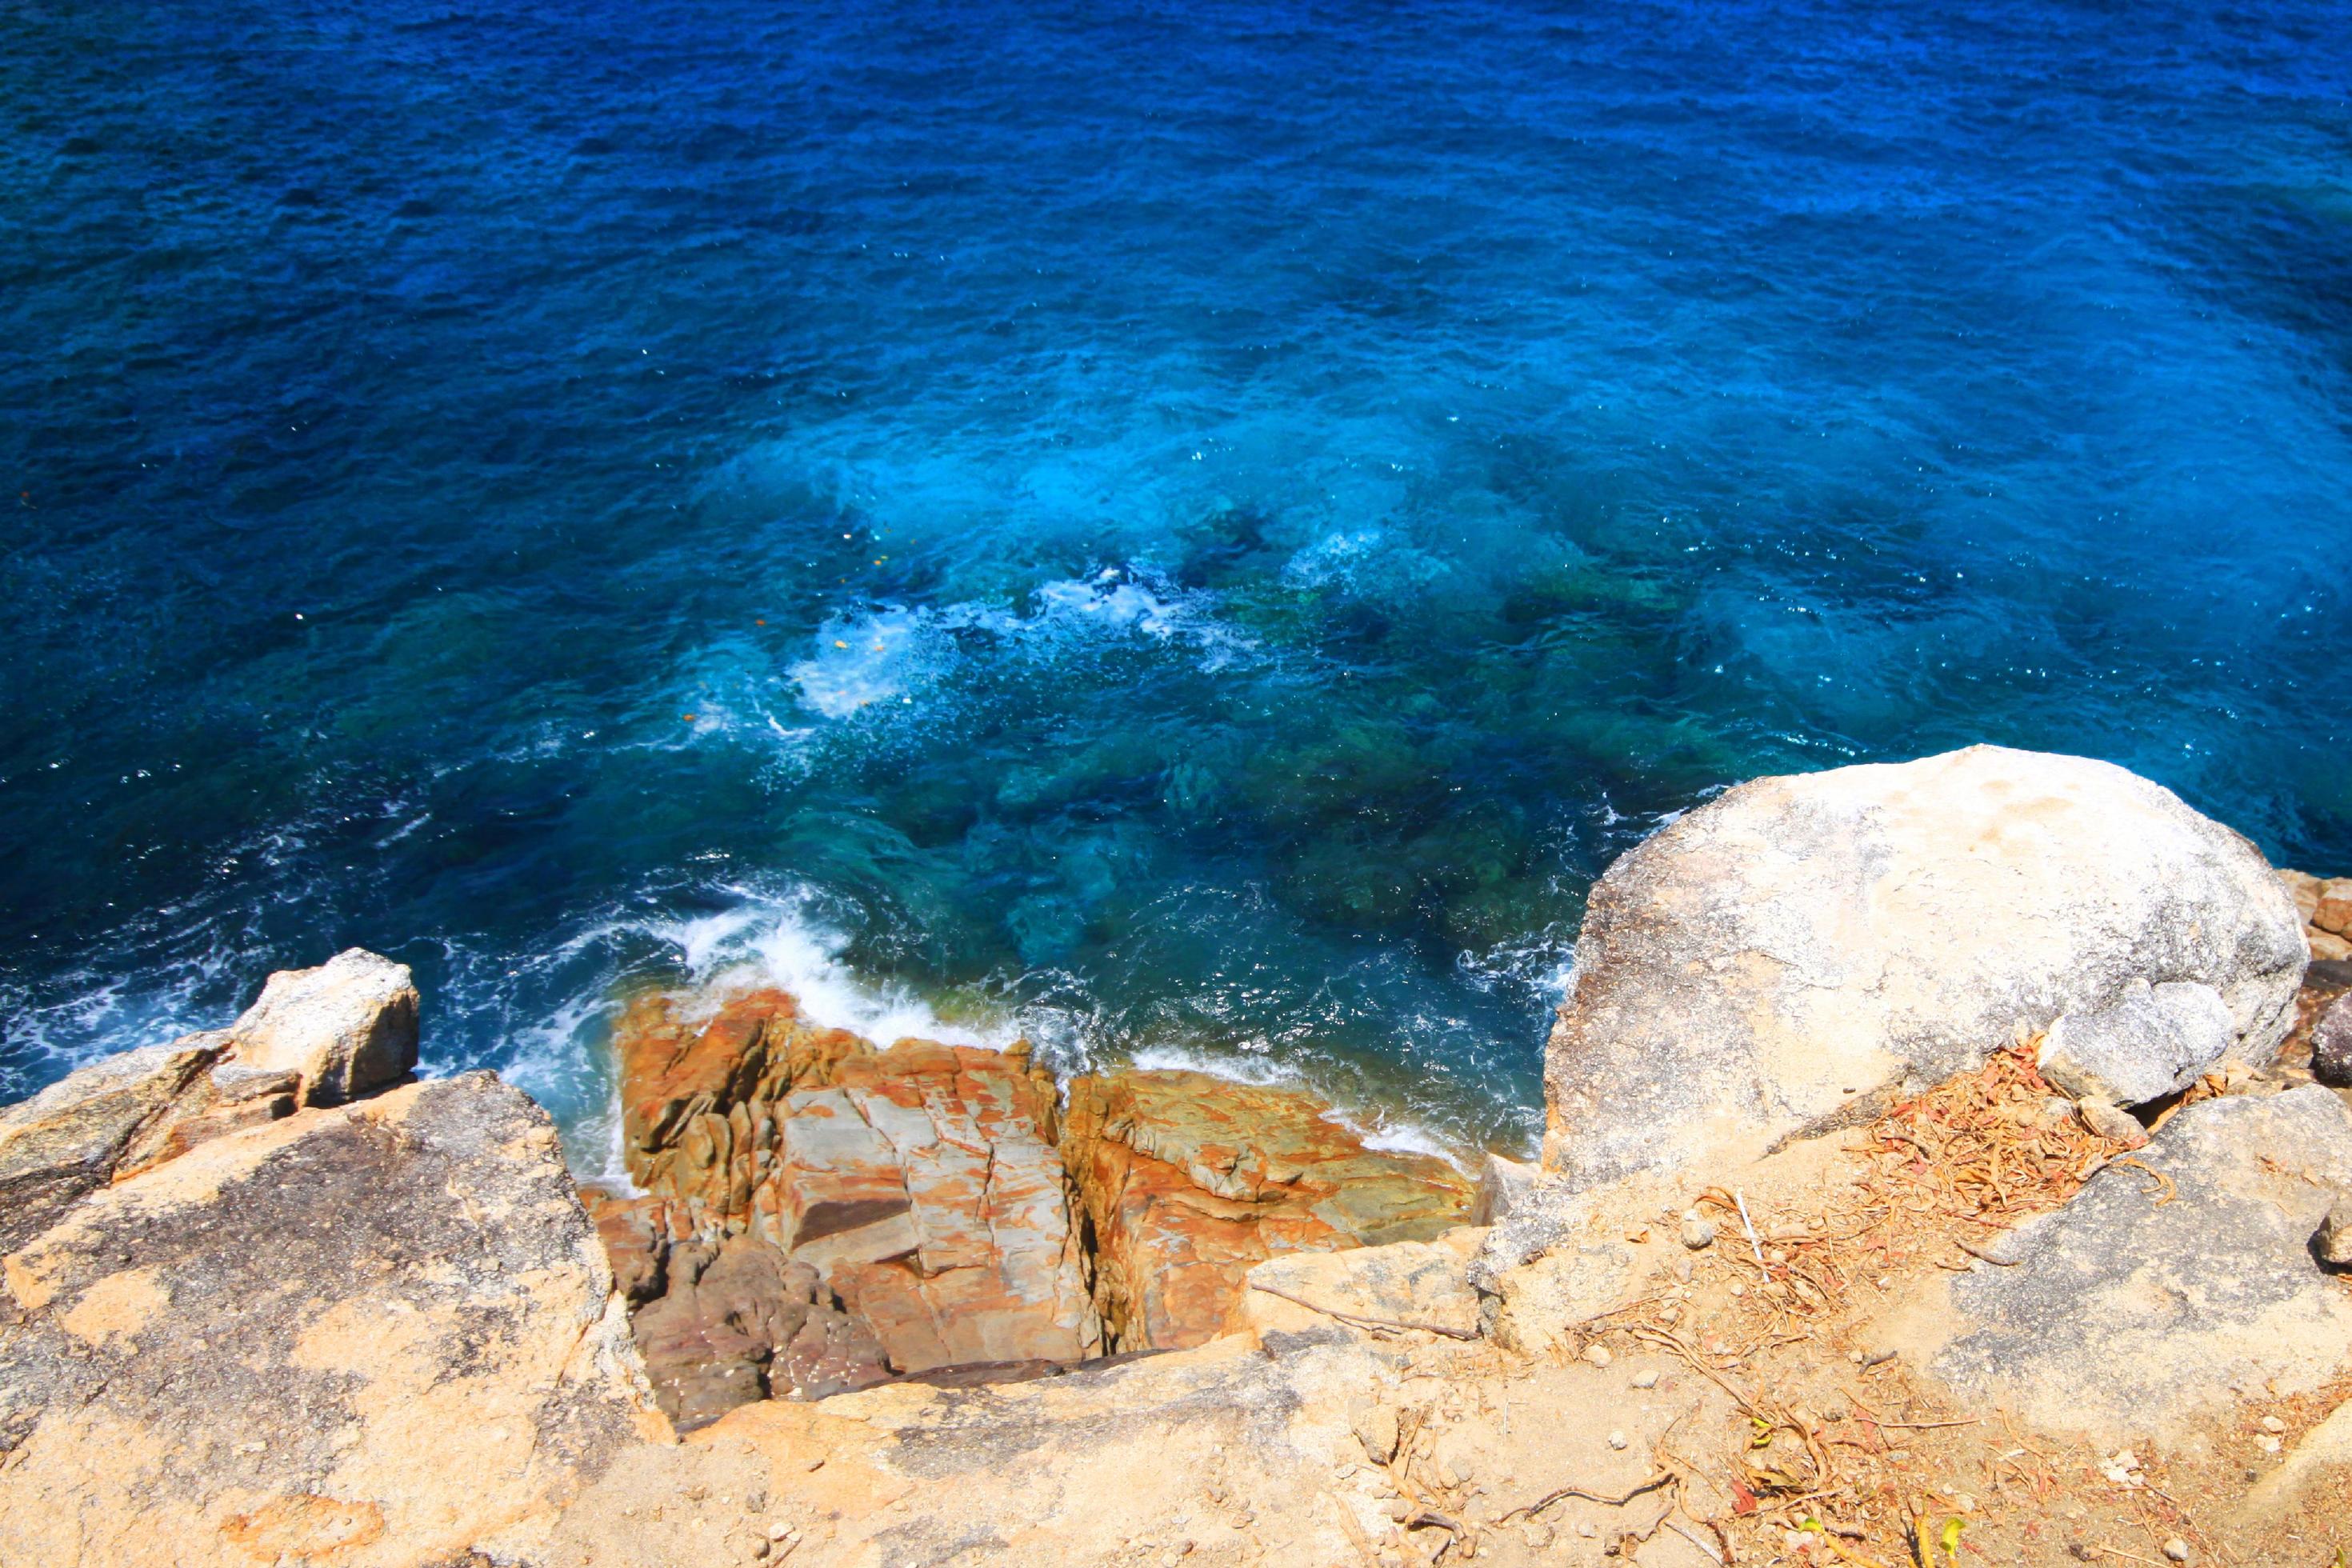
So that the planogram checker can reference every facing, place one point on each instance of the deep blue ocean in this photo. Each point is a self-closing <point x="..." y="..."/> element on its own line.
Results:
<point x="1193" y="532"/>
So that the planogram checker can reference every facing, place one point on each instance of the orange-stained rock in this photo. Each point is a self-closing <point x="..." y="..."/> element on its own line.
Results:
<point x="1187" y="1181"/>
<point x="637" y="1234"/>
<point x="921" y="1182"/>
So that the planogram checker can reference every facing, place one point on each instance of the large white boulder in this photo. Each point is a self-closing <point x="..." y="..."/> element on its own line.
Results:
<point x="1783" y="958"/>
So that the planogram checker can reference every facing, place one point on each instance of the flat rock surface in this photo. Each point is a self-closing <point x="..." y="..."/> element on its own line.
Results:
<point x="379" y="1334"/>
<point x="1228" y="1454"/>
<point x="1423" y="1284"/>
<point x="2166" y="1286"/>
<point x="1774" y="959"/>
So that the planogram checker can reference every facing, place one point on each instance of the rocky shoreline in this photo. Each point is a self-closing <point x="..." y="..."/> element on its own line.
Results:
<point x="1944" y="1162"/>
<point x="819" y="1214"/>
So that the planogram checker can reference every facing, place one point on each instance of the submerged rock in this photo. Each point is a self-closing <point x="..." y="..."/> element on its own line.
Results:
<point x="1773" y="960"/>
<point x="1187" y="1183"/>
<point x="378" y="1334"/>
<point x="2167" y="1285"/>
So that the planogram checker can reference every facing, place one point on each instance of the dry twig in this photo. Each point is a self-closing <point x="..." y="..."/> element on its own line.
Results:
<point x="1530" y="1509"/>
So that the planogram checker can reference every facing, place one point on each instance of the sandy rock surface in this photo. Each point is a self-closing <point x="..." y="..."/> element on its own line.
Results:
<point x="378" y="1334"/>
<point x="1777" y="957"/>
<point x="1239" y="1452"/>
<point x="1404" y="1284"/>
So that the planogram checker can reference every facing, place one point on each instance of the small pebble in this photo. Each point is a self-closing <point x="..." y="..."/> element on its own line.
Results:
<point x="1616" y="1439"/>
<point x="2273" y="1423"/>
<point x="1587" y="1531"/>
<point x="2268" y="1444"/>
<point x="1597" y="1354"/>
<point x="1645" y="1379"/>
<point x="2177" y="1548"/>
<point x="1738" y="1288"/>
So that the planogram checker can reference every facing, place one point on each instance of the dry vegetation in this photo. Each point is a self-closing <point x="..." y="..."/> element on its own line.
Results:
<point x="1848" y="1459"/>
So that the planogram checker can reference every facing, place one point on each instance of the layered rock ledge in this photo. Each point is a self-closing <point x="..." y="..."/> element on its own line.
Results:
<point x="820" y="1213"/>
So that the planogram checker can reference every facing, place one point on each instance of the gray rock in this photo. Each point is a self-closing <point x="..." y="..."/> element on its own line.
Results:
<point x="2151" y="1041"/>
<point x="2164" y="1286"/>
<point x="741" y="1322"/>
<point x="1375" y="1426"/>
<point x="2331" y="1043"/>
<point x="73" y="1136"/>
<point x="1548" y="1214"/>
<point x="347" y="1028"/>
<point x="1503" y="1185"/>
<point x="1774" y="958"/>
<point x="1698" y="1231"/>
<point x="2332" y="1242"/>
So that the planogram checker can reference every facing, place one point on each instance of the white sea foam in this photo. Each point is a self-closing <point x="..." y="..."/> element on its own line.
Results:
<point x="867" y="660"/>
<point x="1544" y="965"/>
<point x="890" y="657"/>
<point x="785" y="941"/>
<point x="1366" y="561"/>
<point x="1260" y="1071"/>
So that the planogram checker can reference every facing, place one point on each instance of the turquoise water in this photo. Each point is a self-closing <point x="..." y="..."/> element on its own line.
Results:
<point x="1184" y="531"/>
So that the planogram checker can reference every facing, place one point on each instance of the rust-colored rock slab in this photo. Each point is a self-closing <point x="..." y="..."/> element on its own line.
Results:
<point x="1189" y="1181"/>
<point x="920" y="1183"/>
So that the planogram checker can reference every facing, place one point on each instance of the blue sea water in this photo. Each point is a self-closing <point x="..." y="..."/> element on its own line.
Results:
<point x="1191" y="532"/>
